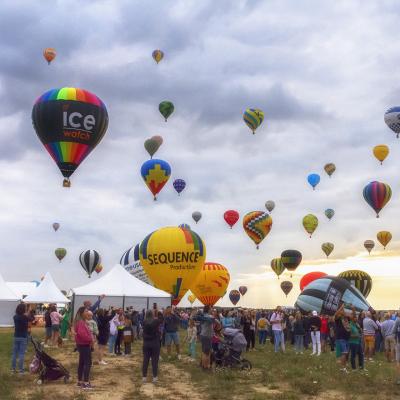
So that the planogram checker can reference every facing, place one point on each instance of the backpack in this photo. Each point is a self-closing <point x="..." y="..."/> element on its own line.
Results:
<point x="262" y="323"/>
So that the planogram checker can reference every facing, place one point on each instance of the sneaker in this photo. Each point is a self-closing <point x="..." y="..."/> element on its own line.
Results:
<point x="86" y="386"/>
<point x="155" y="379"/>
<point x="22" y="372"/>
<point x="102" y="362"/>
<point x="13" y="371"/>
<point x="144" y="379"/>
<point x="344" y="370"/>
<point x="179" y="357"/>
<point x="312" y="354"/>
<point x="318" y="354"/>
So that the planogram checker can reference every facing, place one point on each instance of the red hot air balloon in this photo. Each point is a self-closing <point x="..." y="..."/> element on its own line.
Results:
<point x="377" y="194"/>
<point x="231" y="217"/>
<point x="310" y="277"/>
<point x="243" y="290"/>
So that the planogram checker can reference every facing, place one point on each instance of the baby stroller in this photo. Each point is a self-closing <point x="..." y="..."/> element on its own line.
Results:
<point x="229" y="352"/>
<point x="49" y="369"/>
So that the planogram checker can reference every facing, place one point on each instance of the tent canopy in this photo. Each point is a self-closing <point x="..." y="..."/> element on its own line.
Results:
<point x="8" y="303"/>
<point x="118" y="282"/>
<point x="6" y="293"/>
<point x="46" y="292"/>
<point x="22" y="289"/>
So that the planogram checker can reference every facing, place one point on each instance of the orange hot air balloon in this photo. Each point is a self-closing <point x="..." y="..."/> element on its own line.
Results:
<point x="49" y="54"/>
<point x="211" y="283"/>
<point x="384" y="237"/>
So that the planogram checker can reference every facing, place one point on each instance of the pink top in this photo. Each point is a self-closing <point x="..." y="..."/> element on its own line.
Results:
<point x="83" y="335"/>
<point x="55" y="318"/>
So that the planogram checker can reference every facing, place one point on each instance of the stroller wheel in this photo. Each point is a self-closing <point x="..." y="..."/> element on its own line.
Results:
<point x="66" y="378"/>
<point x="246" y="365"/>
<point x="39" y="381"/>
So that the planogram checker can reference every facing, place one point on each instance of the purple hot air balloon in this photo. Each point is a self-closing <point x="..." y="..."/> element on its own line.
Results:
<point x="234" y="296"/>
<point x="179" y="185"/>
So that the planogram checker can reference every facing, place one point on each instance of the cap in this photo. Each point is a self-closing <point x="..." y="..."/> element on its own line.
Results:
<point x="314" y="313"/>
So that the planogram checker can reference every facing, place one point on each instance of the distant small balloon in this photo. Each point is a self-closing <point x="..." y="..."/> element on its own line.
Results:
<point x="381" y="152"/>
<point x="196" y="215"/>
<point x="369" y="245"/>
<point x="384" y="237"/>
<point x="60" y="253"/>
<point x="231" y="217"/>
<point x="277" y="266"/>
<point x="56" y="226"/>
<point x="234" y="296"/>
<point x="330" y="168"/>
<point x="329" y="213"/>
<point x="313" y="180"/>
<point x="166" y="108"/>
<point x="327" y="248"/>
<point x="253" y="117"/>
<point x="270" y="205"/>
<point x="377" y="195"/>
<point x="49" y="54"/>
<point x="179" y="185"/>
<point x="310" y="223"/>
<point x="286" y="287"/>
<point x="243" y="290"/>
<point x="158" y="55"/>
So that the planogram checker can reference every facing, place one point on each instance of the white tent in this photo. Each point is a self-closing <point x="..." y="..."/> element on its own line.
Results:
<point x="22" y="289"/>
<point x="8" y="303"/>
<point x="46" y="292"/>
<point x="122" y="290"/>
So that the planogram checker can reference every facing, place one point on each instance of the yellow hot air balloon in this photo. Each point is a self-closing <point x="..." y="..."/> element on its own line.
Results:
<point x="191" y="298"/>
<point x="211" y="283"/>
<point x="381" y="152"/>
<point x="310" y="223"/>
<point x="384" y="237"/>
<point x="172" y="257"/>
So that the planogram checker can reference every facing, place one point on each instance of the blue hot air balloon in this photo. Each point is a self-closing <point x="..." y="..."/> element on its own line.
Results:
<point x="179" y="185"/>
<point x="313" y="180"/>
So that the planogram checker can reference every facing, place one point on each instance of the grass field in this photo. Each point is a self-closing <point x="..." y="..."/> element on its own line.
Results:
<point x="274" y="376"/>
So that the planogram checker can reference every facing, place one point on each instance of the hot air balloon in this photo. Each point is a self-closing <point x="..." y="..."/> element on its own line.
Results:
<point x="49" y="54"/>
<point x="257" y="225"/>
<point x="313" y="180"/>
<point x="277" y="266"/>
<point x="392" y="119"/>
<point x="131" y="262"/>
<point x="211" y="283"/>
<point x="231" y="217"/>
<point x="286" y="287"/>
<point x="310" y="277"/>
<point x="377" y="194"/>
<point x="325" y="295"/>
<point x="310" y="223"/>
<point x="329" y="213"/>
<point x="191" y="298"/>
<point x="196" y="215"/>
<point x="234" y="296"/>
<point x="184" y="226"/>
<point x="369" y="245"/>
<point x="158" y="139"/>
<point x="270" y="205"/>
<point x="242" y="290"/>
<point x="155" y="174"/>
<point x="253" y="117"/>
<point x="166" y="109"/>
<point x="381" y="152"/>
<point x="330" y="168"/>
<point x="179" y="185"/>
<point x="359" y="279"/>
<point x="70" y="122"/>
<point x="56" y="226"/>
<point x="291" y="259"/>
<point x="384" y="237"/>
<point x="158" y="55"/>
<point x="327" y="248"/>
<point x="89" y="260"/>
<point x="98" y="269"/>
<point x="172" y="258"/>
<point x="152" y="145"/>
<point x="60" y="253"/>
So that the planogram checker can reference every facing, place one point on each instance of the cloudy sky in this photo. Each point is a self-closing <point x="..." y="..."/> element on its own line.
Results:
<point x="323" y="72"/>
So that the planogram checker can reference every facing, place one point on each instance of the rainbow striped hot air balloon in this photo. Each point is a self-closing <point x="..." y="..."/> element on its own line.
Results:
<point x="70" y="122"/>
<point x="155" y="174"/>
<point x="257" y="225"/>
<point x="253" y="117"/>
<point x="377" y="195"/>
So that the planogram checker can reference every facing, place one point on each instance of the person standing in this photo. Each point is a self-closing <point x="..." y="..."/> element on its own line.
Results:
<point x="47" y="327"/>
<point x="65" y="323"/>
<point x="246" y="323"/>
<point x="103" y="323"/>
<point x="315" y="329"/>
<point x="56" y="318"/>
<point x="324" y="332"/>
<point x="262" y="328"/>
<point x="206" y="334"/>
<point x="299" y="332"/>
<point x="84" y="342"/>
<point x="369" y="329"/>
<point x="151" y="345"/>
<point x="171" y="324"/>
<point x="388" y="337"/>
<point x="396" y="333"/>
<point x="355" y="343"/>
<point x="191" y="338"/>
<point x="342" y="336"/>
<point x="128" y="337"/>
<point x="20" y="338"/>
<point x="276" y="322"/>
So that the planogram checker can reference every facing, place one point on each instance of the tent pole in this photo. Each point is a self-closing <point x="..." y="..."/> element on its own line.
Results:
<point x="148" y="304"/>
<point x="72" y="307"/>
<point x="123" y="303"/>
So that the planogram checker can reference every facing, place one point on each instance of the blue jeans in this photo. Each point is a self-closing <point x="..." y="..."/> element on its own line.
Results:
<point x="192" y="349"/>
<point x="299" y="343"/>
<point x="356" y="350"/>
<point x="18" y="351"/>
<point x="111" y="343"/>
<point x="262" y="337"/>
<point x="278" y="336"/>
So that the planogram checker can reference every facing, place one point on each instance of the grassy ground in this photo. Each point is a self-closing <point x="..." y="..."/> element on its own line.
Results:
<point x="274" y="376"/>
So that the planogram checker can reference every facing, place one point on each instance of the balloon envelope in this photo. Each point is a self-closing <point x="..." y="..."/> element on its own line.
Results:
<point x="327" y="248"/>
<point x="89" y="260"/>
<point x="257" y="225"/>
<point x="270" y="205"/>
<point x="291" y="259"/>
<point x="392" y="119"/>
<point x="151" y="145"/>
<point x="277" y="266"/>
<point x="325" y="295"/>
<point x="243" y="290"/>
<point x="359" y="279"/>
<point x="381" y="152"/>
<point x="49" y="54"/>
<point x="313" y="180"/>
<point x="384" y="237"/>
<point x="172" y="258"/>
<point x="60" y="253"/>
<point x="231" y="217"/>
<point x="179" y="185"/>
<point x="369" y="245"/>
<point x="131" y="262"/>
<point x="329" y="213"/>
<point x="158" y="55"/>
<point x="196" y="215"/>
<point x="310" y="277"/>
<point x="70" y="122"/>
<point x="155" y="174"/>
<point x="330" y="168"/>
<point x="377" y="195"/>
<point x="253" y="117"/>
<point x="310" y="223"/>
<point x="166" y="108"/>
<point x="56" y="226"/>
<point x="211" y="283"/>
<point x="286" y="287"/>
<point x="234" y="296"/>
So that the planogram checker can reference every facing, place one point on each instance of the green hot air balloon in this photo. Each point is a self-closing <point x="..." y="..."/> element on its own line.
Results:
<point x="152" y="145"/>
<point x="60" y="253"/>
<point x="310" y="223"/>
<point x="277" y="266"/>
<point x="166" y="109"/>
<point x="327" y="248"/>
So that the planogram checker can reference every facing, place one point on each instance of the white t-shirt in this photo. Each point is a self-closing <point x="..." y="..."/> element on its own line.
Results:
<point x="276" y="317"/>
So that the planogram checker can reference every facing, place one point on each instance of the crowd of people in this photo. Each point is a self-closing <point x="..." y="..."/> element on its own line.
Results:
<point x="354" y="337"/>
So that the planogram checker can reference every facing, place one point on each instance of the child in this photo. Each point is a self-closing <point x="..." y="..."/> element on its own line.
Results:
<point x="191" y="338"/>
<point x="128" y="336"/>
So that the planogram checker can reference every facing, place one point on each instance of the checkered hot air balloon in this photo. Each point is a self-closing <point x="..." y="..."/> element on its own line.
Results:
<point x="257" y="225"/>
<point x="392" y="120"/>
<point x="179" y="185"/>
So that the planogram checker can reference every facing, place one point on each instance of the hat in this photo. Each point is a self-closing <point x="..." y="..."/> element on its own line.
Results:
<point x="314" y="313"/>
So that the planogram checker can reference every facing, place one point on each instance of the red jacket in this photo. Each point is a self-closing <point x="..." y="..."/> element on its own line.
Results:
<point x="83" y="336"/>
<point x="324" y="325"/>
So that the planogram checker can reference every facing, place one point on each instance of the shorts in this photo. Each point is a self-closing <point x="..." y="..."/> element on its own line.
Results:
<point x="324" y="336"/>
<point x="206" y="344"/>
<point x="48" y="331"/>
<point x="390" y="343"/>
<point x="55" y="328"/>
<point x="342" y="346"/>
<point x="171" y="337"/>
<point x="369" y="342"/>
<point x="397" y="352"/>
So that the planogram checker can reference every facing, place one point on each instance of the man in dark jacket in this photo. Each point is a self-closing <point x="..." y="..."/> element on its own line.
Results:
<point x="171" y="324"/>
